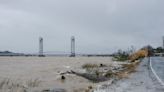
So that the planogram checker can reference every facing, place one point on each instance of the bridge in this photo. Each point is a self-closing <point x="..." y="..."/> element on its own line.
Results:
<point x="54" y="53"/>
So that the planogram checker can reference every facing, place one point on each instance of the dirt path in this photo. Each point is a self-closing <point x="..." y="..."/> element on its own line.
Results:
<point x="140" y="81"/>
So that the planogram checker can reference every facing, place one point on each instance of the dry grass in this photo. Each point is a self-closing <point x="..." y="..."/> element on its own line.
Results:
<point x="96" y="73"/>
<point x="33" y="83"/>
<point x="89" y="89"/>
<point x="139" y="54"/>
<point x="128" y="69"/>
<point x="8" y="85"/>
<point x="91" y="68"/>
<point x="86" y="66"/>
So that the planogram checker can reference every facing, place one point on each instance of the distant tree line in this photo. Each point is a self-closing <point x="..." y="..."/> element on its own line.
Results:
<point x="159" y="50"/>
<point x="122" y="55"/>
<point x="5" y="52"/>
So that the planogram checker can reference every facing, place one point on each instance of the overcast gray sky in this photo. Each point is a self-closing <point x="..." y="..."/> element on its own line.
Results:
<point x="100" y="26"/>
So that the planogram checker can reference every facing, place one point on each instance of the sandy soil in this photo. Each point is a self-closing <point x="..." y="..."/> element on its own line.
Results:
<point x="47" y="70"/>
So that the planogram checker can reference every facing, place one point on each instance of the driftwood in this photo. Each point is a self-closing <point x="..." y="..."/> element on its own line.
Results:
<point x="91" y="77"/>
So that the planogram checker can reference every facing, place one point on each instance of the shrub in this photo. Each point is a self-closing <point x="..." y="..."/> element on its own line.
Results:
<point x="121" y="56"/>
<point x="86" y="66"/>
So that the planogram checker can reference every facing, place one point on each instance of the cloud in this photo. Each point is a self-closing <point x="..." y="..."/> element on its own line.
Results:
<point x="99" y="26"/>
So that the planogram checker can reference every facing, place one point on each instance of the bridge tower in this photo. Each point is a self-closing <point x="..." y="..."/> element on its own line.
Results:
<point x="72" y="47"/>
<point x="41" y="47"/>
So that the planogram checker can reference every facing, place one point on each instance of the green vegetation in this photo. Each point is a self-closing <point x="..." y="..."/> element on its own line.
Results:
<point x="121" y="56"/>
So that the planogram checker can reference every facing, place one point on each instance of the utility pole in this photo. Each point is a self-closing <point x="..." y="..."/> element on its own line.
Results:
<point x="41" y="47"/>
<point x="163" y="41"/>
<point x="72" y="47"/>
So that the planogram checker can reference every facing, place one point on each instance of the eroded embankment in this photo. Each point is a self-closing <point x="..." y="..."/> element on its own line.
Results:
<point x="140" y="81"/>
<point x="98" y="73"/>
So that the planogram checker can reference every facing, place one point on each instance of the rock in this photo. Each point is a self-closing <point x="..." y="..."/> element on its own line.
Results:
<point x="46" y="90"/>
<point x="101" y="65"/>
<point x="54" y="90"/>
<point x="63" y="78"/>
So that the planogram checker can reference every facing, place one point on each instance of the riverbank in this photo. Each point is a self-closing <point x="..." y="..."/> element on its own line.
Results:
<point x="141" y="81"/>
